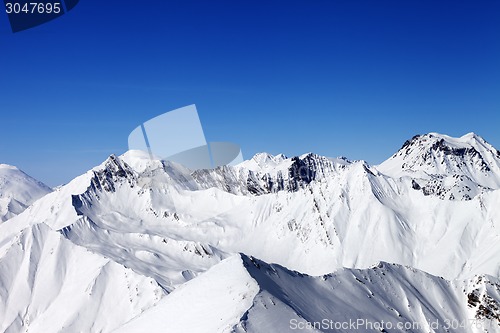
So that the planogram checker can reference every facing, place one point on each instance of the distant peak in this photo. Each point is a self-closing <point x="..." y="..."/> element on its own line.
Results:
<point x="280" y="157"/>
<point x="135" y="154"/>
<point x="436" y="153"/>
<point x="309" y="154"/>
<point x="7" y="166"/>
<point x="266" y="158"/>
<point x="262" y="156"/>
<point x="113" y="164"/>
<point x="438" y="141"/>
<point x="470" y="135"/>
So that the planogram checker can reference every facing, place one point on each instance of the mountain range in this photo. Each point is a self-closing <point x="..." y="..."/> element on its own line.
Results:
<point x="273" y="244"/>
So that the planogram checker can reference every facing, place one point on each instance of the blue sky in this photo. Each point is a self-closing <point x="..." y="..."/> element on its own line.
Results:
<point x="352" y="78"/>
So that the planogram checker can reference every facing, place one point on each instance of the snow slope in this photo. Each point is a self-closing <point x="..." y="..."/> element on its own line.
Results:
<point x="17" y="191"/>
<point x="253" y="296"/>
<point x="353" y="216"/>
<point x="213" y="302"/>
<point x="48" y="284"/>
<point x="452" y="168"/>
<point x="432" y="207"/>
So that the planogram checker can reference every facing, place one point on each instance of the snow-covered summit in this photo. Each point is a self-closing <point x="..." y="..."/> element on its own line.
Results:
<point x="435" y="153"/>
<point x="17" y="191"/>
<point x="8" y="167"/>
<point x="451" y="168"/>
<point x="168" y="244"/>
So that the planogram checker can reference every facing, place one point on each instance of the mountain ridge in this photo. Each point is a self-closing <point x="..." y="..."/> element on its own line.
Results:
<point x="18" y="191"/>
<point x="309" y="214"/>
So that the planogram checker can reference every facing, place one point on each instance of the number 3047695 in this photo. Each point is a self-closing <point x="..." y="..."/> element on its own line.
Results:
<point x="33" y="8"/>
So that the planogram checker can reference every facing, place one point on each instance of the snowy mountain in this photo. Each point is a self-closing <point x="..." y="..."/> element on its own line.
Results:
<point x="189" y="242"/>
<point x="451" y="168"/>
<point x="17" y="191"/>
<point x="48" y="284"/>
<point x="253" y="296"/>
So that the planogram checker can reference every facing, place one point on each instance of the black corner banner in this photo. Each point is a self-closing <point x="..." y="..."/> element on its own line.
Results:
<point x="26" y="14"/>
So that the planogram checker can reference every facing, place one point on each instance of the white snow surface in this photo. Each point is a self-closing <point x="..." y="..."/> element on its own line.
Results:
<point x="213" y="302"/>
<point x="49" y="284"/>
<point x="253" y="296"/>
<point x="415" y="239"/>
<point x="17" y="191"/>
<point x="433" y="155"/>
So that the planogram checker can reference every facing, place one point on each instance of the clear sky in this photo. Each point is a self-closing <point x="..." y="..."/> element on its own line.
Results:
<point x="352" y="78"/>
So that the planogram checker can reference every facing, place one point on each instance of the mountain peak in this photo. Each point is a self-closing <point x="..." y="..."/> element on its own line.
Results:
<point x="440" y="154"/>
<point x="8" y="167"/>
<point x="262" y="158"/>
<point x="17" y="191"/>
<point x="471" y="135"/>
<point x="469" y="143"/>
<point x="442" y="140"/>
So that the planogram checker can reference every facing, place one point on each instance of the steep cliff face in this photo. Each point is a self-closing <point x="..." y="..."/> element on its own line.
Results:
<point x="265" y="173"/>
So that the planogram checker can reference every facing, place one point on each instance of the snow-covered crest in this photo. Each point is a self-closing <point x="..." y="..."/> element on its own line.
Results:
<point x="187" y="230"/>
<point x="17" y="191"/>
<point x="435" y="153"/>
